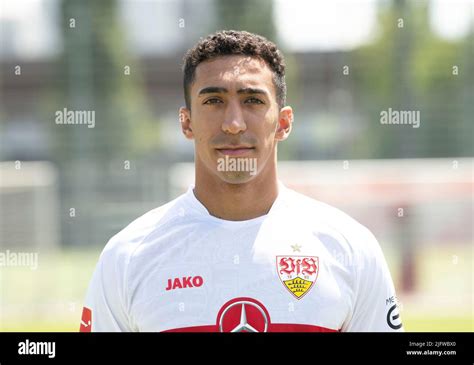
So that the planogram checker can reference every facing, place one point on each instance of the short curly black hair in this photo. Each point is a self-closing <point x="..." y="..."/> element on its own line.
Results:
<point x="232" y="42"/>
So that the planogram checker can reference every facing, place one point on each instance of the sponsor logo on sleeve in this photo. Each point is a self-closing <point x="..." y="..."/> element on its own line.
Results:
<point x="393" y="315"/>
<point x="86" y="320"/>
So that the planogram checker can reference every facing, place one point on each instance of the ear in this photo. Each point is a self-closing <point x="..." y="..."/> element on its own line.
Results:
<point x="185" y="120"/>
<point x="285" y="122"/>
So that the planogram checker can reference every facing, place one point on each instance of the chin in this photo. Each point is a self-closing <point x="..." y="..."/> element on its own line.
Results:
<point x="237" y="178"/>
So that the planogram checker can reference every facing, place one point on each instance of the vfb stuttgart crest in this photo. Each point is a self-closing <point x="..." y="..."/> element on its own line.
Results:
<point x="298" y="273"/>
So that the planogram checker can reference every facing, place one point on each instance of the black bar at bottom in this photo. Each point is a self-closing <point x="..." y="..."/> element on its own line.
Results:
<point x="299" y="348"/>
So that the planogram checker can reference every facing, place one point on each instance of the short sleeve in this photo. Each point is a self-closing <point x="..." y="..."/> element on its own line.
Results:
<point x="375" y="307"/>
<point x="105" y="304"/>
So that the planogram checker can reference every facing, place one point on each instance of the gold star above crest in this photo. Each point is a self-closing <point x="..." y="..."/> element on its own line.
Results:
<point x="296" y="248"/>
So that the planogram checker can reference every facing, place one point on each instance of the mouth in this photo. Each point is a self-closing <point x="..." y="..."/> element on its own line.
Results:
<point x="235" y="150"/>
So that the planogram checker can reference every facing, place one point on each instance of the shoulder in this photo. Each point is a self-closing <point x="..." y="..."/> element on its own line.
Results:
<point x="325" y="218"/>
<point x="121" y="246"/>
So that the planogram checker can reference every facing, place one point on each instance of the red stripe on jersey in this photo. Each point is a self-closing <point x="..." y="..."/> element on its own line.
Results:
<point x="273" y="327"/>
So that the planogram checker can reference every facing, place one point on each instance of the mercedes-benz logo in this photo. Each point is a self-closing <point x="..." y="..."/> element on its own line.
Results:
<point x="243" y="316"/>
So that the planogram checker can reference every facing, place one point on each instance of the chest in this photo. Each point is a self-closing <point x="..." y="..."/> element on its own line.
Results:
<point x="219" y="280"/>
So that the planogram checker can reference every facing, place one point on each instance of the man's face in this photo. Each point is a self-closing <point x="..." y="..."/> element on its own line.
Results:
<point x="235" y="120"/>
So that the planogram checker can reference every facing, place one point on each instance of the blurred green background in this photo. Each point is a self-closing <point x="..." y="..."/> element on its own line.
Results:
<point x="66" y="189"/>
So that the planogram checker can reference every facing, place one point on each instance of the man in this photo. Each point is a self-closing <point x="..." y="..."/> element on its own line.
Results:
<point x="239" y="251"/>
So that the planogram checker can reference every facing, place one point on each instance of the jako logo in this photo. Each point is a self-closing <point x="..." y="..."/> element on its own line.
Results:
<point x="185" y="282"/>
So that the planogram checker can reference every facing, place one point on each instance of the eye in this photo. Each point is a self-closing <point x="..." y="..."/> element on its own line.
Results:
<point x="213" y="101"/>
<point x="254" y="100"/>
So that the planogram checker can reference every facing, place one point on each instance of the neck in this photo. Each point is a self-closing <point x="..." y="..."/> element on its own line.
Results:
<point x="237" y="202"/>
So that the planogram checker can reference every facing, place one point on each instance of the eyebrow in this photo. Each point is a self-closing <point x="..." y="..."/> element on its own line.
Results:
<point x="219" y="90"/>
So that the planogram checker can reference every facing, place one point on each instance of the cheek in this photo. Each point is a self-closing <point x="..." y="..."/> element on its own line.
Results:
<point x="270" y="125"/>
<point x="202" y="134"/>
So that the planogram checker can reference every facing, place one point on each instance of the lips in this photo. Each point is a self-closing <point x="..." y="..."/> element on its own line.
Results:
<point x="235" y="150"/>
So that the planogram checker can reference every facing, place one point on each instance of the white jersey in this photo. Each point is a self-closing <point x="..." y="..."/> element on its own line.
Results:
<point x="303" y="267"/>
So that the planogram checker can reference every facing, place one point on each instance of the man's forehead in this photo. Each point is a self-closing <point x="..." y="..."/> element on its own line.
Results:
<point x="241" y="69"/>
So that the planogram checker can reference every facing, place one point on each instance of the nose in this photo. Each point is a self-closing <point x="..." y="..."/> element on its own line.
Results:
<point x="234" y="122"/>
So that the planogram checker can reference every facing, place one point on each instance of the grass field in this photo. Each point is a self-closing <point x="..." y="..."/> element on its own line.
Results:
<point x="50" y="298"/>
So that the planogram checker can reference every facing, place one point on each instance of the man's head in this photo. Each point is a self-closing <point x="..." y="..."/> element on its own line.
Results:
<point x="235" y="91"/>
<point x="231" y="42"/>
